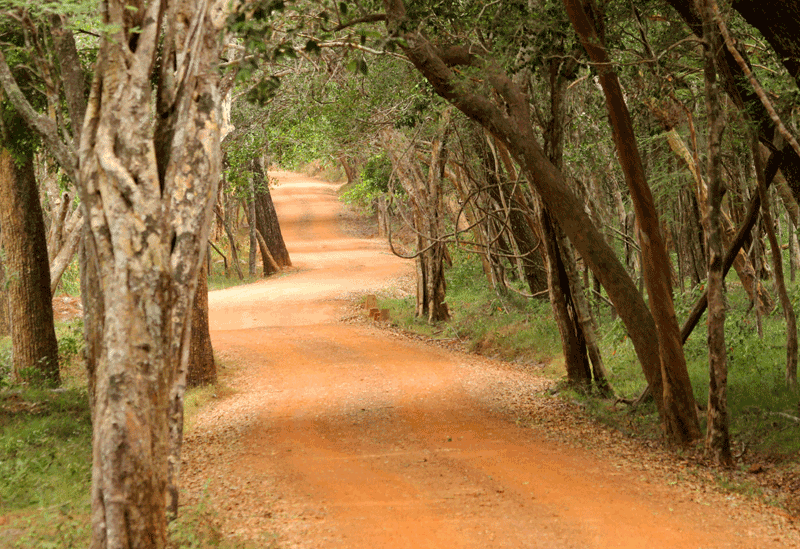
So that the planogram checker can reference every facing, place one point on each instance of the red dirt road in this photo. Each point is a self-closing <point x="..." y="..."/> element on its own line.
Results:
<point x="345" y="436"/>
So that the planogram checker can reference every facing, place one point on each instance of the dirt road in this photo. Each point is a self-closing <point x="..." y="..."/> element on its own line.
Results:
<point x="342" y="435"/>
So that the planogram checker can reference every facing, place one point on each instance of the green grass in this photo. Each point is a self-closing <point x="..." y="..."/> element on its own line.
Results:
<point x="757" y="392"/>
<point x="508" y="326"/>
<point x="46" y="461"/>
<point x="219" y="281"/>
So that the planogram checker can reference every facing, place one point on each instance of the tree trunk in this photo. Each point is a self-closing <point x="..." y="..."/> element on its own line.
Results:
<point x="427" y="212"/>
<point x="349" y="169"/>
<point x="230" y="204"/>
<point x="573" y="342"/>
<point x="682" y="424"/>
<point x="266" y="256"/>
<point x="251" y="224"/>
<point x="64" y="257"/>
<point x="148" y="203"/>
<point x="27" y="272"/>
<point x="267" y="219"/>
<point x="202" y="370"/>
<point x="794" y="251"/>
<point x="511" y="125"/>
<point x="717" y="435"/>
<point x="777" y="266"/>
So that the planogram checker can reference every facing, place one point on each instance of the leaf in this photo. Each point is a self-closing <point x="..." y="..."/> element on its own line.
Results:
<point x="343" y="8"/>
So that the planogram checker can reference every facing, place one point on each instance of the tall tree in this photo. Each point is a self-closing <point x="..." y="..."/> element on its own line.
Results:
<point x="510" y="124"/>
<point x="683" y="425"/>
<point x="147" y="186"/>
<point x="27" y="272"/>
<point x="717" y="435"/>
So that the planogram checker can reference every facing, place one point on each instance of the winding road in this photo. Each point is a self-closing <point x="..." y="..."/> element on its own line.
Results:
<point x="340" y="434"/>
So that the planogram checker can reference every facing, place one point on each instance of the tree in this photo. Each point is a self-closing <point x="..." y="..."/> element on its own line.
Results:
<point x="147" y="187"/>
<point x="425" y="197"/>
<point x="33" y="337"/>
<point x="717" y="435"/>
<point x="268" y="230"/>
<point x="202" y="369"/>
<point x="510" y="124"/>
<point x="682" y="424"/>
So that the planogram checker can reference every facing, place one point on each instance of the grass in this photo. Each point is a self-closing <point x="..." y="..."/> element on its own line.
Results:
<point x="509" y="327"/>
<point x="757" y="392"/>
<point x="46" y="461"/>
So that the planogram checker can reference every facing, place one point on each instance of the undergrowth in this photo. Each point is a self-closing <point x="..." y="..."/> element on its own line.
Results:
<point x="501" y="325"/>
<point x="759" y="400"/>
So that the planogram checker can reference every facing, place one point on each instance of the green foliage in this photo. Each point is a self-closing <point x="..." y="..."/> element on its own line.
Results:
<point x="71" y="343"/>
<point x="71" y="279"/>
<point x="373" y="182"/>
<point x="45" y="447"/>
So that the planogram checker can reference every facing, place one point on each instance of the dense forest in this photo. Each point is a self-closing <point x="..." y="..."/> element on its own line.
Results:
<point x="612" y="160"/>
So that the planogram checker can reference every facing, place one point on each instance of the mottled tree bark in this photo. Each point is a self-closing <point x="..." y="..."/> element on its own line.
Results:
<point x="27" y="273"/>
<point x="717" y="435"/>
<point x="147" y="198"/>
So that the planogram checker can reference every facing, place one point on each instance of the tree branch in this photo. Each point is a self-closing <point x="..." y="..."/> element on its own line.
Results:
<point x="46" y="128"/>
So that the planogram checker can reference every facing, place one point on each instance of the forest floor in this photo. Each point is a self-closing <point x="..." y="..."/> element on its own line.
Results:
<point x="336" y="432"/>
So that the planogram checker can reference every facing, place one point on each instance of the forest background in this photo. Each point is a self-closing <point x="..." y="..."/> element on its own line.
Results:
<point x="572" y="179"/>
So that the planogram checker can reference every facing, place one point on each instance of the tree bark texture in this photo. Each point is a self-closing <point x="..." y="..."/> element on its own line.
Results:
<point x="682" y="424"/>
<point x="511" y="125"/>
<point x="147" y="186"/>
<point x="27" y="273"/>
<point x="717" y="433"/>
